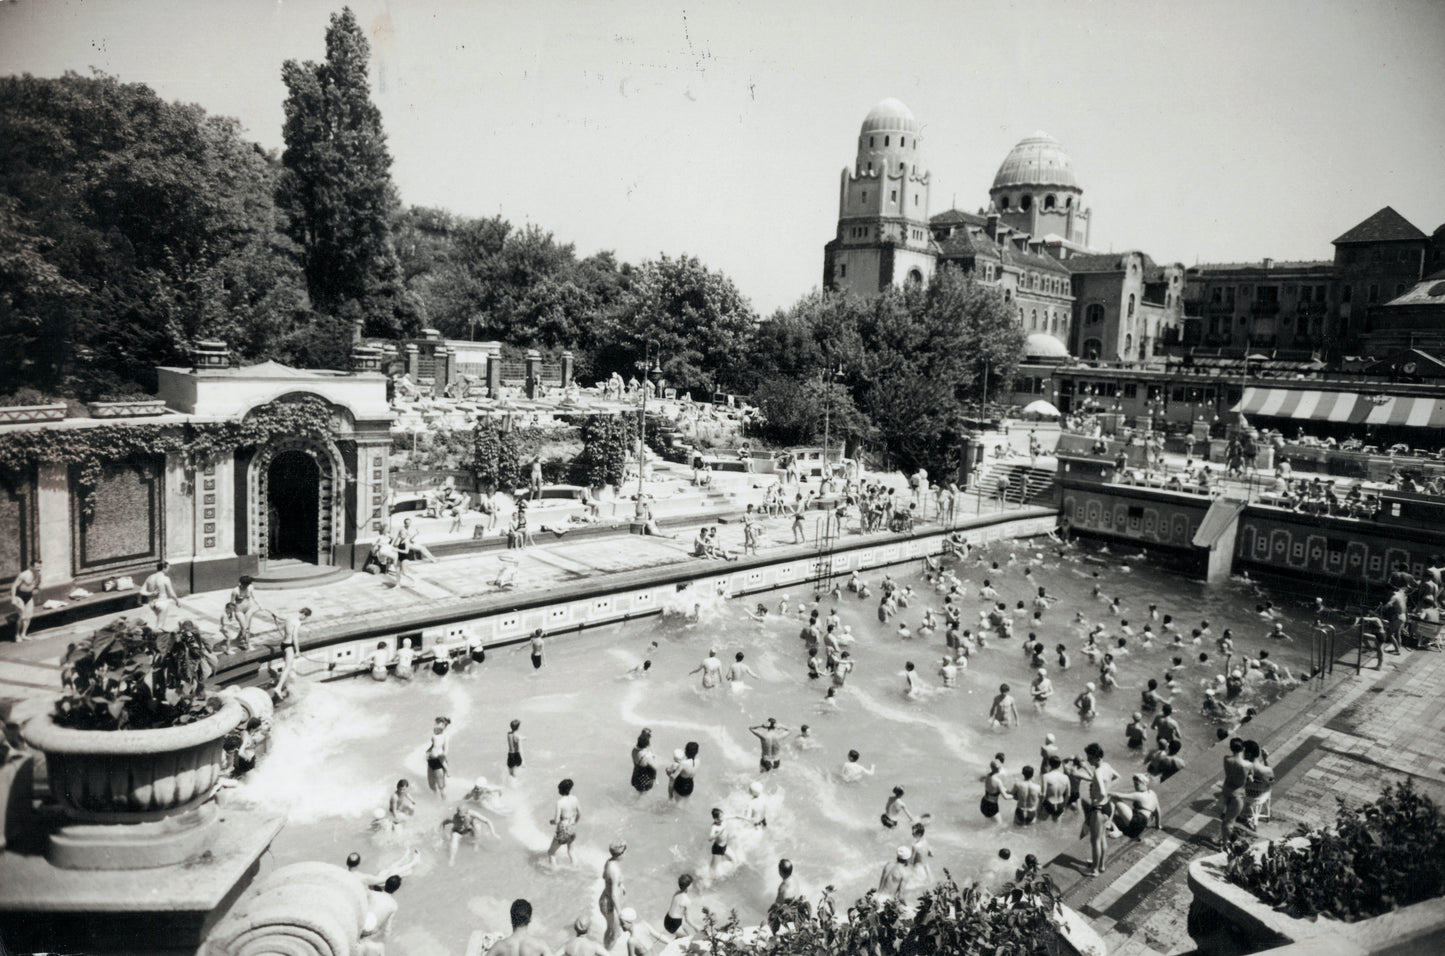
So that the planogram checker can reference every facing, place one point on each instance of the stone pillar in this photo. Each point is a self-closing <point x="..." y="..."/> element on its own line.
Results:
<point x="209" y="355"/>
<point x="412" y="354"/>
<point x="446" y="368"/>
<point x="567" y="363"/>
<point x="534" y="372"/>
<point x="365" y="358"/>
<point x="494" y="372"/>
<point x="52" y="522"/>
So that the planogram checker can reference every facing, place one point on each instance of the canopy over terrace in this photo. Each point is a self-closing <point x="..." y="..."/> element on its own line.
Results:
<point x="1341" y="409"/>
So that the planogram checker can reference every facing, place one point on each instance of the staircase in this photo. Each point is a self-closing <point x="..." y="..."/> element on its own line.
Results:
<point x="1025" y="482"/>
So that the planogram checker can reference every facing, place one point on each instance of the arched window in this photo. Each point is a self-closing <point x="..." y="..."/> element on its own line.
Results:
<point x="1094" y="314"/>
<point x="870" y="167"/>
<point x="1049" y="201"/>
<point x="1131" y="308"/>
<point x="1055" y="324"/>
<point x="1128" y="343"/>
<point x="915" y="277"/>
<point x="1034" y="320"/>
<point x="870" y="142"/>
<point x="885" y="141"/>
<point x="1092" y="348"/>
<point x="1025" y="201"/>
<point x="1069" y="202"/>
<point x="1003" y="203"/>
<point x="903" y="141"/>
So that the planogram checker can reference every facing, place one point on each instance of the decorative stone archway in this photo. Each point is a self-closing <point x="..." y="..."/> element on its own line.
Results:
<point x="330" y="503"/>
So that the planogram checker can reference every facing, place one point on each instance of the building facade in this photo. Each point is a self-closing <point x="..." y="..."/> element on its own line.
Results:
<point x="1031" y="243"/>
<point x="307" y="493"/>
<point x="1264" y="305"/>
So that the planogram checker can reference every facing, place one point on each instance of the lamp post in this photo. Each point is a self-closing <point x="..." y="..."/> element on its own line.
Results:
<point x="829" y="376"/>
<point x="654" y="375"/>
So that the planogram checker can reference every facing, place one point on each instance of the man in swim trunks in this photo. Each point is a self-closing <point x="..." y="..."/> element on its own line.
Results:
<point x="462" y="823"/>
<point x="436" y="756"/>
<point x="514" y="748"/>
<point x="1055" y="784"/>
<point x="895" y="874"/>
<point x="677" y="921"/>
<point x="1098" y="807"/>
<point x="22" y="595"/>
<point x="158" y="592"/>
<point x="536" y="645"/>
<point x="894" y="809"/>
<point x="1027" y="793"/>
<point x="564" y="817"/>
<point x="711" y="670"/>
<point x="718" y="834"/>
<point x="1236" y="774"/>
<point x="770" y="740"/>
<point x="644" y="763"/>
<point x="613" y="893"/>
<point x="1041" y="689"/>
<point x="1003" y="712"/>
<point x="1261" y="781"/>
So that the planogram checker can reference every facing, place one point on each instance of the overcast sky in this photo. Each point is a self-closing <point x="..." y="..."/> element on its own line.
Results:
<point x="1199" y="131"/>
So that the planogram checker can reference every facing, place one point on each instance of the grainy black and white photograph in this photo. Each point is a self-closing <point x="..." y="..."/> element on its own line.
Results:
<point x="747" y="479"/>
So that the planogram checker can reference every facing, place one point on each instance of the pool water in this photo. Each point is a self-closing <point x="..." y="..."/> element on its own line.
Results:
<point x="337" y="752"/>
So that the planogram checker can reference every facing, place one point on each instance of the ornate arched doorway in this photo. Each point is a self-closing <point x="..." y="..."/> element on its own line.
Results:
<point x="294" y="484"/>
<point x="294" y="504"/>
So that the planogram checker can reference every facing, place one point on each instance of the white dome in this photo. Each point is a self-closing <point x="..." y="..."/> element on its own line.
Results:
<point x="890" y="115"/>
<point x="1041" y="345"/>
<point x="1038" y="160"/>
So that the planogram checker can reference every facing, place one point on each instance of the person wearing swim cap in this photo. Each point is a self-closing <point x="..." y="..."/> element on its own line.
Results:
<point x="895" y="874"/>
<point x="582" y="944"/>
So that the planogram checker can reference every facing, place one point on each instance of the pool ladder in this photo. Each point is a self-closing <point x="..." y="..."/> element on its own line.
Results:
<point x="825" y="539"/>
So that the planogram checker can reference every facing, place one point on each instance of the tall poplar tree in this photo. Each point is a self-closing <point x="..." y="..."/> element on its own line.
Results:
<point x="337" y="184"/>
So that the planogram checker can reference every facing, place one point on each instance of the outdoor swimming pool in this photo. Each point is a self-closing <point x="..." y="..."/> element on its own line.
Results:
<point x="339" y="749"/>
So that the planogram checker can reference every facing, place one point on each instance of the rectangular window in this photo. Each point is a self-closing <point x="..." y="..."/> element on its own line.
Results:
<point x="842" y="270"/>
<point x="1306" y="293"/>
<point x="1374" y="292"/>
<point x="1131" y="390"/>
<point x="893" y="195"/>
<point x="1218" y="295"/>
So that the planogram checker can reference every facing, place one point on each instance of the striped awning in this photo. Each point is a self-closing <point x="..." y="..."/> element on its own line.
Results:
<point x="1320" y="406"/>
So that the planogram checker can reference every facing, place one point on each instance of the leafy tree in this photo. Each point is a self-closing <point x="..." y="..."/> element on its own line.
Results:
<point x="337" y="185"/>
<point x="692" y="319"/>
<point x="131" y="227"/>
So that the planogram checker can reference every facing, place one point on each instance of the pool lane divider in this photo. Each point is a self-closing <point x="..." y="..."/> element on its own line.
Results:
<point x="505" y="618"/>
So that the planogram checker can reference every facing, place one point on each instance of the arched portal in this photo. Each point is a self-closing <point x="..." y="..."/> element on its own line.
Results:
<point x="295" y="508"/>
<point x="294" y="483"/>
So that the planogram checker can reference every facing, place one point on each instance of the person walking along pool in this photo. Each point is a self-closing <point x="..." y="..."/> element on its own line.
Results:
<point x="614" y="894"/>
<point x="159" y="593"/>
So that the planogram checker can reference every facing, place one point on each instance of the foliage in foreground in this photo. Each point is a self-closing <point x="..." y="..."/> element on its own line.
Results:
<point x="130" y="676"/>
<point x="949" y="921"/>
<point x="1377" y="857"/>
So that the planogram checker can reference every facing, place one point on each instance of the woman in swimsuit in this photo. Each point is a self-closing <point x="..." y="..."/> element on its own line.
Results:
<point x="682" y="780"/>
<point x="22" y="595"/>
<point x="644" y="763"/>
<point x="436" y="757"/>
<point x="895" y="809"/>
<point x="676" y="920"/>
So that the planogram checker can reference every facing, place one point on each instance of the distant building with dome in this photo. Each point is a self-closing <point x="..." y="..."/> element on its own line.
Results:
<point x="1031" y="243"/>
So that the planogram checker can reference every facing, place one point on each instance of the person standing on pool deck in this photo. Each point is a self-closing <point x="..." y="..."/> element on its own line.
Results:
<point x="564" y="817"/>
<point x="248" y="605"/>
<point x="1237" y="769"/>
<point x="613" y="893"/>
<point x="711" y="669"/>
<point x="22" y="595"/>
<point x="158" y="592"/>
<point x="1098" y="807"/>
<point x="436" y="757"/>
<point x="770" y="740"/>
<point x="514" y="748"/>
<point x="894" y="809"/>
<point x="1003" y="712"/>
<point x="644" y="763"/>
<point x="536" y="646"/>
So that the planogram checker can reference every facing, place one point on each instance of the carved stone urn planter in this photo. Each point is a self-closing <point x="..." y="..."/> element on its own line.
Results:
<point x="30" y="414"/>
<point x="133" y="798"/>
<point x="131" y="408"/>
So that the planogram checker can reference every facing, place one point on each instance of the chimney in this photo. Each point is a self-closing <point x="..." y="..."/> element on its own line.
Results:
<point x="1268" y="262"/>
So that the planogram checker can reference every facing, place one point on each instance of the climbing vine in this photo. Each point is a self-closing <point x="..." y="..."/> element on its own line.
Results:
<point x="606" y="442"/>
<point x="89" y="450"/>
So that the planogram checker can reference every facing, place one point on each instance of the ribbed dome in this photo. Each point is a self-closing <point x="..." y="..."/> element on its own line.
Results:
<point x="1038" y="160"/>
<point x="890" y="115"/>
<point x="1041" y="345"/>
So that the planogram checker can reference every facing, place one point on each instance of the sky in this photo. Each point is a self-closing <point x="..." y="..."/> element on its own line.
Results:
<point x="1222" y="131"/>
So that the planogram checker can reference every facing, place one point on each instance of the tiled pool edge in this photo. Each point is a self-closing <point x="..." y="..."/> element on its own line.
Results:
<point x="508" y="617"/>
